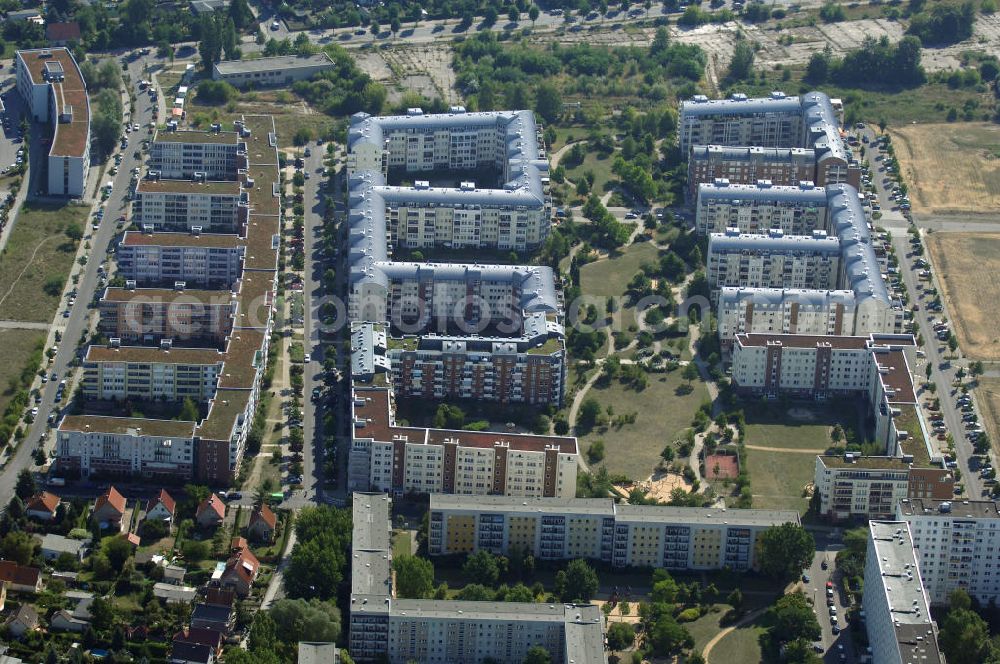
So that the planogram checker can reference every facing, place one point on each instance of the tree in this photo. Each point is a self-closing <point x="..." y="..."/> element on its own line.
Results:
<point x="537" y="655"/>
<point x="668" y="636"/>
<point x="741" y="64"/>
<point x="548" y="101"/>
<point x="25" y="487"/>
<point x="964" y="637"/>
<point x="414" y="577"/>
<point x="579" y="582"/>
<point x="533" y="13"/>
<point x="17" y="546"/>
<point x="318" y="562"/>
<point x="102" y="614"/>
<point x="664" y="590"/>
<point x="241" y="14"/>
<point x="118" y="550"/>
<point x="794" y="619"/>
<point x="189" y="411"/>
<point x="476" y="592"/>
<point x="800" y="651"/>
<point x="513" y="14"/>
<point x="481" y="567"/>
<point x="785" y="550"/>
<point x="306" y="620"/>
<point x="230" y="40"/>
<point x="735" y="599"/>
<point x="210" y="46"/>
<point x="621" y="635"/>
<point x="586" y="418"/>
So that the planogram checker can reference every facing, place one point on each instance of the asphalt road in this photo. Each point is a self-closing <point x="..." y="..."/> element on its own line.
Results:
<point x="827" y="546"/>
<point x="78" y="321"/>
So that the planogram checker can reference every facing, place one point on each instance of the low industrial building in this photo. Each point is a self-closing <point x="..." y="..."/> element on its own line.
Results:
<point x="401" y="459"/>
<point x="279" y="71"/>
<point x="897" y="612"/>
<point x="52" y="86"/>
<point x="386" y="628"/>
<point x="676" y="538"/>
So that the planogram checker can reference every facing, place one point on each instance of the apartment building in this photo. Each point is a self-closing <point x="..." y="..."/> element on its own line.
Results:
<point x="183" y="205"/>
<point x="52" y="86"/>
<point x="228" y="382"/>
<point x="749" y="165"/>
<point x="528" y="369"/>
<point x="773" y="260"/>
<point x="148" y="315"/>
<point x="400" y="459"/>
<point x="760" y="207"/>
<point x="154" y="374"/>
<point x="183" y="155"/>
<point x="810" y="121"/>
<point x="202" y="260"/>
<point x="386" y="628"/>
<point x="852" y="486"/>
<point x="678" y="538"/>
<point x="897" y="612"/>
<point x="281" y="71"/>
<point x="512" y="216"/>
<point x="125" y="446"/>
<point x="956" y="543"/>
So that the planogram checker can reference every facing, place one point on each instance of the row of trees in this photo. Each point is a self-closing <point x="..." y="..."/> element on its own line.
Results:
<point x="876" y="63"/>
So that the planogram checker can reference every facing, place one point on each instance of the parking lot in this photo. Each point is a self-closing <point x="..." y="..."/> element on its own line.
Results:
<point x="10" y="135"/>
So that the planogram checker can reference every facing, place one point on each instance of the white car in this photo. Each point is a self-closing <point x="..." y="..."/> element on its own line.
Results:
<point x="307" y="358"/>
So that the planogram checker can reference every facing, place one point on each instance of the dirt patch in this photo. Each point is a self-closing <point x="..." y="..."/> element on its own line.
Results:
<point x="969" y="153"/>
<point x="658" y="486"/>
<point x="967" y="264"/>
<point x="988" y="398"/>
<point x="424" y="69"/>
<point x="722" y="467"/>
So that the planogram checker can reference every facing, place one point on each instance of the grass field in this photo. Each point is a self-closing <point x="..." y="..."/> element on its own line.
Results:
<point x="610" y="277"/>
<point x="634" y="449"/>
<point x="741" y="645"/>
<point x="967" y="265"/>
<point x="988" y="397"/>
<point x="38" y="251"/>
<point x="968" y="152"/>
<point x="778" y="478"/>
<point x="599" y="165"/>
<point x="17" y="345"/>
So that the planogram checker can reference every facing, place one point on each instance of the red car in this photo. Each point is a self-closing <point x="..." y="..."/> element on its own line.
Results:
<point x="829" y="584"/>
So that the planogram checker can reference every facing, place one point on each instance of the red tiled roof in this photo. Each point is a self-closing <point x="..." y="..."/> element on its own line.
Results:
<point x="244" y="565"/>
<point x="238" y="543"/>
<point x="214" y="503"/>
<point x="201" y="635"/>
<point x="163" y="498"/>
<point x="62" y="32"/>
<point x="43" y="502"/>
<point x="264" y="514"/>
<point x="133" y="539"/>
<point x="20" y="575"/>
<point x="111" y="497"/>
<point x="219" y="597"/>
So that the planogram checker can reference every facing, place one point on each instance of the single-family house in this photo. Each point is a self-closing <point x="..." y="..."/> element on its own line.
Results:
<point x="61" y="34"/>
<point x="210" y="512"/>
<point x="219" y="618"/>
<point x="55" y="545"/>
<point x="20" y="578"/>
<point x="161" y="507"/>
<point x="43" y="506"/>
<point x="220" y="597"/>
<point x="263" y="523"/>
<point x="22" y="621"/>
<point x="241" y="571"/>
<point x="203" y="635"/>
<point x="191" y="653"/>
<point x="174" y="574"/>
<point x="109" y="510"/>
<point x="64" y="621"/>
<point x="172" y="594"/>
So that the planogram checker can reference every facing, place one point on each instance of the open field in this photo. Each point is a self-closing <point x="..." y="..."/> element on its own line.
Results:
<point x="38" y="253"/>
<point x="740" y="645"/>
<point x="634" y="449"/>
<point x="599" y="165"/>
<point x="968" y="152"/>
<point x="17" y="346"/>
<point x="967" y="264"/>
<point x="988" y="397"/>
<point x="610" y="277"/>
<point x="804" y="426"/>
<point x="778" y="478"/>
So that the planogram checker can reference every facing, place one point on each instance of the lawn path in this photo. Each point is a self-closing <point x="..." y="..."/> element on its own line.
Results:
<point x="25" y="268"/>
<point x="750" y="617"/>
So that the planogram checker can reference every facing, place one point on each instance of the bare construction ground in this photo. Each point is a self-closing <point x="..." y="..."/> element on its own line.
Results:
<point x="968" y="152"/>
<point x="425" y="69"/>
<point x="967" y="265"/>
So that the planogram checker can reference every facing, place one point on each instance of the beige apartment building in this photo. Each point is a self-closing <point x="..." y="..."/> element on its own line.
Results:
<point x="214" y="207"/>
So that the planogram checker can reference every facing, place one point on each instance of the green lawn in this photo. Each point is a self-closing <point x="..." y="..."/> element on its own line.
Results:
<point x="741" y="645"/>
<point x="599" y="165"/>
<point x="777" y="479"/>
<point x="401" y="543"/>
<point x="38" y="253"/>
<point x="805" y="425"/>
<point x="634" y="449"/>
<point x="17" y="346"/>
<point x="703" y="629"/>
<point x="610" y="277"/>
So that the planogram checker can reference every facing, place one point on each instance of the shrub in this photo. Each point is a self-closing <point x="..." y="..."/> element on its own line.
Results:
<point x="688" y="615"/>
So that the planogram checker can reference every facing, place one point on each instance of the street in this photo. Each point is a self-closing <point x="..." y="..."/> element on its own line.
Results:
<point x="828" y="543"/>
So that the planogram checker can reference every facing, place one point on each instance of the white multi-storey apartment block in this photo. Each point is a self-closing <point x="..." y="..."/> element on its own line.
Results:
<point x="183" y="155"/>
<point x="400" y="459"/>
<point x="779" y="121"/>
<point x="387" y="628"/>
<point x="957" y="543"/>
<point x="122" y="446"/>
<point x="761" y="207"/>
<point x="52" y="86"/>
<point x="217" y="207"/>
<point x="680" y="538"/>
<point x="203" y="260"/>
<point x="773" y="260"/>
<point x="897" y="612"/>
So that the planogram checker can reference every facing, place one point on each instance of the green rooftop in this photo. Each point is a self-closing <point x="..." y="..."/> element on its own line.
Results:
<point x="551" y="345"/>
